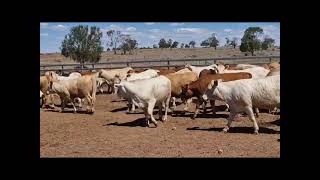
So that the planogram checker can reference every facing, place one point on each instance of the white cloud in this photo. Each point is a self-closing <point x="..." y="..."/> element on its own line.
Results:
<point x="115" y="27"/>
<point x="44" y="34"/>
<point x="269" y="28"/>
<point x="227" y="30"/>
<point x="191" y="30"/>
<point x="150" y="23"/>
<point x="131" y="29"/>
<point x="154" y="30"/>
<point x="58" y="27"/>
<point x="176" y="24"/>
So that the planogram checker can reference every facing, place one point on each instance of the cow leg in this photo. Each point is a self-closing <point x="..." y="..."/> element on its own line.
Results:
<point x="230" y="119"/>
<point x="62" y="104"/>
<point x="133" y="107"/>
<point x="44" y="101"/>
<point x="227" y="107"/>
<point x="204" y="105"/>
<point x="150" y="111"/>
<point x="174" y="103"/>
<point x="167" y="102"/>
<point x="160" y="111"/>
<point x="256" y="111"/>
<point x="188" y="102"/>
<point x="90" y="106"/>
<point x="146" y="117"/>
<point x="196" y="112"/>
<point x="51" y="104"/>
<point x="212" y="103"/>
<point x="74" y="107"/>
<point x="250" y="113"/>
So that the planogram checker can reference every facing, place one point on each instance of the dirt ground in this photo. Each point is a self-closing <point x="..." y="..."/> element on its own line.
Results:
<point x="110" y="132"/>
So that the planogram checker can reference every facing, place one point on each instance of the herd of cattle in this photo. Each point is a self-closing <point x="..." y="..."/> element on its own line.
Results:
<point x="244" y="88"/>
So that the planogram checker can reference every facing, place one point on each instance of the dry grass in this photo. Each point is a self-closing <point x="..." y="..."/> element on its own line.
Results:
<point x="155" y="54"/>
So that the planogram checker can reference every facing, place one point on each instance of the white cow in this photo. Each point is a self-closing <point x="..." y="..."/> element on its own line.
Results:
<point x="147" y="93"/>
<point x="242" y="95"/>
<point x="55" y="76"/>
<point x="256" y="72"/>
<point x="150" y="73"/>
<point x="244" y="66"/>
<point x="197" y="70"/>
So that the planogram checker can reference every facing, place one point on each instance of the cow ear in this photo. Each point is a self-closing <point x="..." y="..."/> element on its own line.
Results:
<point x="227" y="66"/>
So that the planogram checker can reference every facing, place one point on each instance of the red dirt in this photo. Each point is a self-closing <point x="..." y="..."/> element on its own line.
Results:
<point x="117" y="134"/>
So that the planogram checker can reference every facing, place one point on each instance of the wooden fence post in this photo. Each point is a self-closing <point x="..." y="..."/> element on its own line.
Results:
<point x="270" y="60"/>
<point x="168" y="64"/>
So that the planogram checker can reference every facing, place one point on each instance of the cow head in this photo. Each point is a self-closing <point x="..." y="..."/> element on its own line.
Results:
<point x="188" y="66"/>
<point x="211" y="91"/>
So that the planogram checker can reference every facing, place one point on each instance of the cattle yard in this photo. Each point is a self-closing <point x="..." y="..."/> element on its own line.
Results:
<point x="111" y="132"/>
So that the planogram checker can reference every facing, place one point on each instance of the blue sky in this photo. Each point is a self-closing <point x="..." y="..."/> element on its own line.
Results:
<point x="147" y="34"/>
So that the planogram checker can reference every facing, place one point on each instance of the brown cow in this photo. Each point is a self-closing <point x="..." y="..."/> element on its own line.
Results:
<point x="198" y="87"/>
<point x="207" y="71"/>
<point x="178" y="81"/>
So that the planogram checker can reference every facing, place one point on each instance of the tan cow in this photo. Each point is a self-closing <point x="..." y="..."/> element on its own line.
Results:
<point x="110" y="75"/>
<point x="178" y="81"/>
<point x="82" y="87"/>
<point x="274" y="69"/>
<point x="44" y="85"/>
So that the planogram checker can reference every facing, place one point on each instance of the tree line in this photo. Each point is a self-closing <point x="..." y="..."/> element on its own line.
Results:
<point x="84" y="44"/>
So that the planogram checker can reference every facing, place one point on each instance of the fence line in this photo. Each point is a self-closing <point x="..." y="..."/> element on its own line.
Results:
<point x="150" y="63"/>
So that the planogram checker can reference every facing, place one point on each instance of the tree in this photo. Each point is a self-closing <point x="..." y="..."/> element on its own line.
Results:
<point x="155" y="46"/>
<point x="182" y="45"/>
<point x="234" y="43"/>
<point x="174" y="44"/>
<point x="267" y="43"/>
<point x="211" y="41"/>
<point x="162" y="43"/>
<point x="114" y="39"/>
<point x="205" y="43"/>
<point x="192" y="44"/>
<point x="128" y="44"/>
<point x="187" y="46"/>
<point x="82" y="44"/>
<point x="227" y="42"/>
<point x="250" y="41"/>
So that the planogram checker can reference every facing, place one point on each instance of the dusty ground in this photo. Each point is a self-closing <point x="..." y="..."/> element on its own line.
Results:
<point x="110" y="132"/>
<point x="151" y="54"/>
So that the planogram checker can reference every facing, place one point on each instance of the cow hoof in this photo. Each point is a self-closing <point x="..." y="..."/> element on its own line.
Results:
<point x="256" y="133"/>
<point x="225" y="130"/>
<point x="156" y="124"/>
